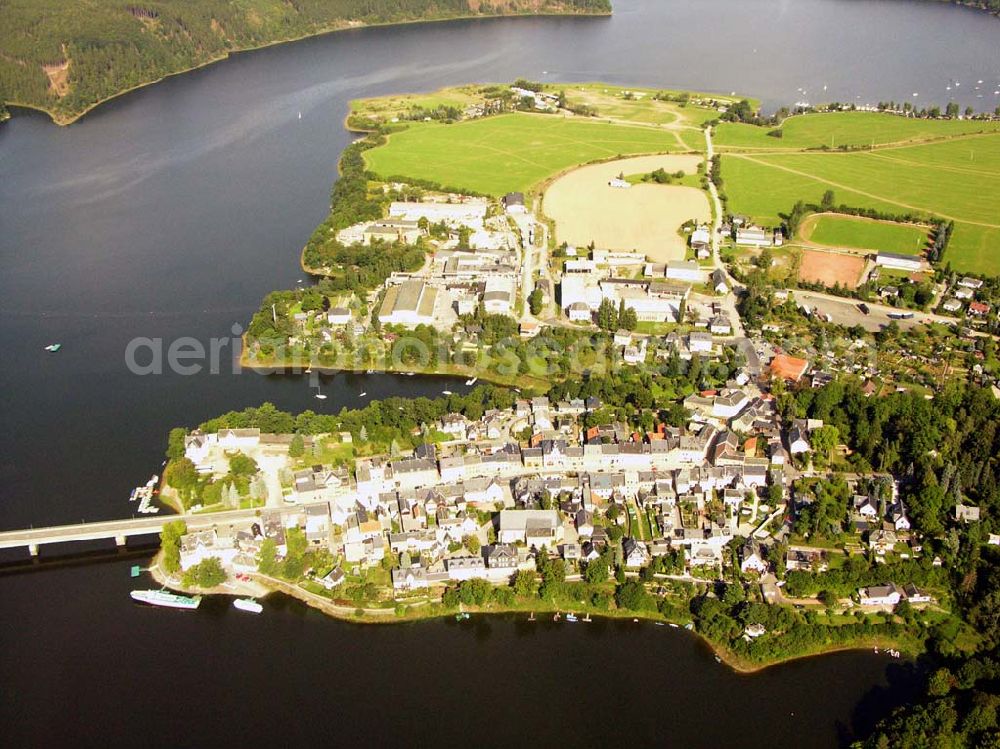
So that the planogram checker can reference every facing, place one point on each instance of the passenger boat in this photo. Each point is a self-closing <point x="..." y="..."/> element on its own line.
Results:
<point x="248" y="604"/>
<point x="166" y="598"/>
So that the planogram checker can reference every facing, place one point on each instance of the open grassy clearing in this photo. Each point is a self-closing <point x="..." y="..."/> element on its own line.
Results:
<point x="510" y="152"/>
<point x="933" y="179"/>
<point x="398" y="104"/>
<point x="859" y="233"/>
<point x="835" y="129"/>
<point x="639" y="104"/>
<point x="645" y="217"/>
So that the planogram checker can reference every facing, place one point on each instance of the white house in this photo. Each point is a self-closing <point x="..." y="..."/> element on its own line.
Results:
<point x="533" y="527"/>
<point x="685" y="270"/>
<point x="752" y="558"/>
<point x="338" y="316"/>
<point x="880" y="595"/>
<point x="635" y="553"/>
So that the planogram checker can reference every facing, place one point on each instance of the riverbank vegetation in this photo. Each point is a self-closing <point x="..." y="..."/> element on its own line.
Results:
<point x="66" y="57"/>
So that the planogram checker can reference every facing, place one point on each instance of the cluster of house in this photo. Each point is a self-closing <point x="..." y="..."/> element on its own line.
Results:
<point x="747" y="234"/>
<point x="890" y="594"/>
<point x="963" y="296"/>
<point x="695" y="484"/>
<point x="540" y="100"/>
<point x="482" y="271"/>
<point x="661" y="294"/>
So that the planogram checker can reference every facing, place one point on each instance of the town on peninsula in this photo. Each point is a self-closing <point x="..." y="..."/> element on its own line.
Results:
<point x="688" y="398"/>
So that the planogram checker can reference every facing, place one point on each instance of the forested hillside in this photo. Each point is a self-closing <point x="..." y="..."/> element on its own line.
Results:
<point x="66" y="55"/>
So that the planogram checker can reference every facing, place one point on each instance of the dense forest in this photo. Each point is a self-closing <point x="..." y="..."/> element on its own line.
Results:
<point x="66" y="55"/>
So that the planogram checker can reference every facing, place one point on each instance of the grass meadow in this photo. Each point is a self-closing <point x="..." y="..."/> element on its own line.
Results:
<point x="835" y="129"/>
<point x="956" y="178"/>
<point x="864" y="234"/>
<point x="511" y="152"/>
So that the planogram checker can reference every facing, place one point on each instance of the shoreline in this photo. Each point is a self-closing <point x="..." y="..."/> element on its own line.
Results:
<point x="64" y="120"/>
<point x="526" y="382"/>
<point x="387" y="616"/>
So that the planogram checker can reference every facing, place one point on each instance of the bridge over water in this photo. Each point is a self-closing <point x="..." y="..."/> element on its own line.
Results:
<point x="120" y="530"/>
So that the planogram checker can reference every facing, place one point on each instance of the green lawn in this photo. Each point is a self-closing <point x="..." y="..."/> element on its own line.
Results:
<point x="511" y="152"/>
<point x="835" y="129"/>
<point x="955" y="179"/>
<point x="865" y="234"/>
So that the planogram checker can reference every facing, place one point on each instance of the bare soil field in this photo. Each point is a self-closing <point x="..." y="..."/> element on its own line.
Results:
<point x="643" y="218"/>
<point x="831" y="268"/>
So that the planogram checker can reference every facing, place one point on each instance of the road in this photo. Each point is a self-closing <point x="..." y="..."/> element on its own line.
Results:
<point x="729" y="301"/>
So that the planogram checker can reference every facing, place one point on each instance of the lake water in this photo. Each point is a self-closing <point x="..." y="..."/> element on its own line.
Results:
<point x="173" y="210"/>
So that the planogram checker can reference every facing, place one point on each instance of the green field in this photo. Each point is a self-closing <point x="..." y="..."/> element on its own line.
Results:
<point x="865" y="234"/>
<point x="511" y="152"/>
<point x="835" y="129"/>
<point x="956" y="179"/>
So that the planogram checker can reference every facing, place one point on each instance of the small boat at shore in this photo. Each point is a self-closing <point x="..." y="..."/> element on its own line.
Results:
<point x="248" y="604"/>
<point x="473" y="381"/>
<point x="53" y="347"/>
<point x="445" y="392"/>
<point x="321" y="396"/>
<point x="671" y="624"/>
<point x="362" y="395"/>
<point x="571" y="618"/>
<point x="461" y="616"/>
<point x="166" y="598"/>
<point x="587" y="619"/>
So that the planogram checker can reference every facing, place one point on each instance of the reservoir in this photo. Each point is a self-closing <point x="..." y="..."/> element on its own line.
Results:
<point x="173" y="210"/>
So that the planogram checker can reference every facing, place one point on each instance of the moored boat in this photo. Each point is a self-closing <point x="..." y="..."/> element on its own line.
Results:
<point x="248" y="604"/>
<point x="166" y="598"/>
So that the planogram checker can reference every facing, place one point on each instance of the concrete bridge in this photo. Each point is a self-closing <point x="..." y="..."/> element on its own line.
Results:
<point x="119" y="530"/>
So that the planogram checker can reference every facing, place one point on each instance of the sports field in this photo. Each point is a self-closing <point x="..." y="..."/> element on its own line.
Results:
<point x="835" y="129"/>
<point x="644" y="217"/>
<point x="508" y="153"/>
<point x="834" y="230"/>
<point x="956" y="178"/>
<point x="831" y="269"/>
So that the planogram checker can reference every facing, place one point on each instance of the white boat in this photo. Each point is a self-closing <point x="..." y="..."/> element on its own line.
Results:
<point x="472" y="381"/>
<point x="571" y="618"/>
<point x="321" y="396"/>
<point x="362" y="395"/>
<point x="445" y="392"/>
<point x="247" y="604"/>
<point x="53" y="347"/>
<point x="166" y="598"/>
